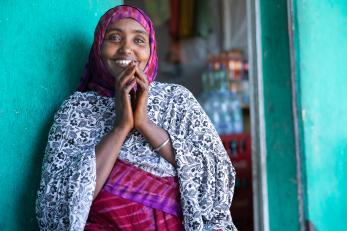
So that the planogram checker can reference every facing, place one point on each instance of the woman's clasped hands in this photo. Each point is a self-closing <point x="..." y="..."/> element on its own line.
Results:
<point x="131" y="105"/>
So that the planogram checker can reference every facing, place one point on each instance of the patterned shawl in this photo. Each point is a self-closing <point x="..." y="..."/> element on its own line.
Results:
<point x="95" y="76"/>
<point x="206" y="176"/>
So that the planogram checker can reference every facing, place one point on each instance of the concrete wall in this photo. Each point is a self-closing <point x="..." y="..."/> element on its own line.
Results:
<point x="321" y="39"/>
<point x="43" y="48"/>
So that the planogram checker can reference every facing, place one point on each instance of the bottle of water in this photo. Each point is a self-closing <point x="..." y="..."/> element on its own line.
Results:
<point x="214" y="101"/>
<point x="205" y="89"/>
<point x="245" y="88"/>
<point x="226" y="122"/>
<point x="220" y="104"/>
<point x="236" y="112"/>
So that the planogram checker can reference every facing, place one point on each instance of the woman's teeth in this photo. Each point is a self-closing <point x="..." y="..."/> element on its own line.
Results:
<point x="123" y="63"/>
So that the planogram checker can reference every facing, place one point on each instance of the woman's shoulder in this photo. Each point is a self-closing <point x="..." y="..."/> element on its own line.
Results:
<point x="89" y="103"/>
<point x="85" y="99"/>
<point x="87" y="96"/>
<point x="170" y="89"/>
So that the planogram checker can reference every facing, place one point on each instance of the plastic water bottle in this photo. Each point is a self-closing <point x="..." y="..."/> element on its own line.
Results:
<point x="236" y="111"/>
<point x="220" y="104"/>
<point x="226" y="122"/>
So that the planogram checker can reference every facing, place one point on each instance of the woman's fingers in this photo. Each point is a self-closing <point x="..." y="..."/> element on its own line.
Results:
<point x="142" y="85"/>
<point x="124" y="89"/>
<point x="130" y="77"/>
<point x="129" y="85"/>
<point x="133" y="100"/>
<point x="129" y="71"/>
<point x="126" y="92"/>
<point x="142" y="76"/>
<point x="142" y="80"/>
<point x="125" y="76"/>
<point x="125" y="105"/>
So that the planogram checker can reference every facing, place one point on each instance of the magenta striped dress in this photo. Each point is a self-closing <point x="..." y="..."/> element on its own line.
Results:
<point x="133" y="199"/>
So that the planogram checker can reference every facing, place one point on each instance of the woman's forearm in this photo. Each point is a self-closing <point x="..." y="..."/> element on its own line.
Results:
<point x="156" y="136"/>
<point x="106" y="155"/>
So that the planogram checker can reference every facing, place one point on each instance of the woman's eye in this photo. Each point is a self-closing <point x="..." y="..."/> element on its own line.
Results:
<point x="114" y="37"/>
<point x="139" y="41"/>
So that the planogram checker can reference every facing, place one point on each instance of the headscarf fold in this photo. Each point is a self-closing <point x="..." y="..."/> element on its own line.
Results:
<point x="96" y="77"/>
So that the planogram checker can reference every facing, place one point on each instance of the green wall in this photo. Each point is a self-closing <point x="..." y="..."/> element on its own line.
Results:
<point x="321" y="39"/>
<point x="43" y="48"/>
<point x="279" y="128"/>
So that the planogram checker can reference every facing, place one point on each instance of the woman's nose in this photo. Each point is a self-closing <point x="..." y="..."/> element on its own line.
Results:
<point x="126" y="47"/>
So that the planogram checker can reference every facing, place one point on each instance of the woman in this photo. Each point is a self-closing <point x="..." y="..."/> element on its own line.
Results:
<point x="128" y="153"/>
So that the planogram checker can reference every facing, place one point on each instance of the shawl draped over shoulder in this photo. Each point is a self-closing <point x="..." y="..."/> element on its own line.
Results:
<point x="206" y="175"/>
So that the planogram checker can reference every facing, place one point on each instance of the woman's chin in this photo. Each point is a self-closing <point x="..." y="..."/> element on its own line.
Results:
<point x="114" y="70"/>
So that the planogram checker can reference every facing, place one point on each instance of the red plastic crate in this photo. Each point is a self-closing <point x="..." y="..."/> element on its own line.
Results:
<point x="238" y="147"/>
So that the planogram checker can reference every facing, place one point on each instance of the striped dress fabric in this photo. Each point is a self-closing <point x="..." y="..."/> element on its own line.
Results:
<point x="133" y="199"/>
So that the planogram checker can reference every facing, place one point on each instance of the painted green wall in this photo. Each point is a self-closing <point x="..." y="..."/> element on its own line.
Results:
<point x="321" y="39"/>
<point x="43" y="48"/>
<point x="280" y="155"/>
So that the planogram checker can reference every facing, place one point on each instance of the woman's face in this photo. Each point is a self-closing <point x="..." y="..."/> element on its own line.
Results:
<point x="125" y="41"/>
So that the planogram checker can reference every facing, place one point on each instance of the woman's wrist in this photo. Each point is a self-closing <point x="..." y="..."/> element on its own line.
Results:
<point x="121" y="131"/>
<point x="143" y="125"/>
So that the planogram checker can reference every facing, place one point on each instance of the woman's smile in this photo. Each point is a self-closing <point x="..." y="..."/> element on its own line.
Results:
<point x="124" y="62"/>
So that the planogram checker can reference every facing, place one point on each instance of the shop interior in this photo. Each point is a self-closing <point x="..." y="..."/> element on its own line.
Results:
<point x="203" y="45"/>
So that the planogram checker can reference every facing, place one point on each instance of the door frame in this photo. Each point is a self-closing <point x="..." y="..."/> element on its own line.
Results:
<point x="259" y="175"/>
<point x="278" y="23"/>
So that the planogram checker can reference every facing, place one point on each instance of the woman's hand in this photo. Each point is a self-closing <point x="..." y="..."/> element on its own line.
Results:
<point x="140" y="113"/>
<point x="123" y="85"/>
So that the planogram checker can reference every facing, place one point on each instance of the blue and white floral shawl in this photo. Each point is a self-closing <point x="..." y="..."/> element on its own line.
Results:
<point x="205" y="173"/>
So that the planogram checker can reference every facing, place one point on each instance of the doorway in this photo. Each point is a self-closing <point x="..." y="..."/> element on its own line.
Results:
<point x="227" y="40"/>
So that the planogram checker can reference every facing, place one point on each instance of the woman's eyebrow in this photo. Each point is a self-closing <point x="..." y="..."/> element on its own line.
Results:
<point x="120" y="30"/>
<point x="140" y="32"/>
<point x="114" y="28"/>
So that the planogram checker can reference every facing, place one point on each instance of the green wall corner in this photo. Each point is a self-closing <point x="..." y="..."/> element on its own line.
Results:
<point x="43" y="48"/>
<point x="320" y="37"/>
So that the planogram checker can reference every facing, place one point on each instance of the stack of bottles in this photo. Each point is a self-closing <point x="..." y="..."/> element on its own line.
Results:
<point x="225" y="92"/>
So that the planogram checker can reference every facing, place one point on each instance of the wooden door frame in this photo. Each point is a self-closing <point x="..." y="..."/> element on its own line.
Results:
<point x="259" y="117"/>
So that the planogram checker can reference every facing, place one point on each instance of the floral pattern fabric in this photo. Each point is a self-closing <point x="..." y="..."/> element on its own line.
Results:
<point x="206" y="175"/>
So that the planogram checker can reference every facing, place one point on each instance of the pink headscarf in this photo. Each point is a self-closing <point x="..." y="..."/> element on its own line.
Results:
<point x="95" y="76"/>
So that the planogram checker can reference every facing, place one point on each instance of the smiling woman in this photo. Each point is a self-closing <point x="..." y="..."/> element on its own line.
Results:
<point x="128" y="153"/>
